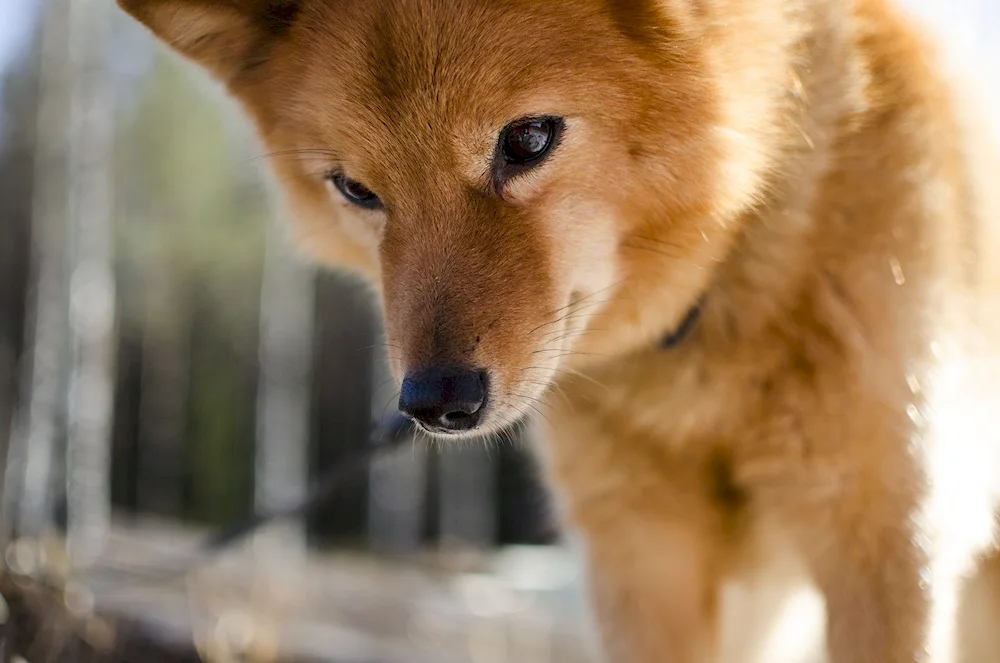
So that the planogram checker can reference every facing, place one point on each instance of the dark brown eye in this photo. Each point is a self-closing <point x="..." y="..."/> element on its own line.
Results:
<point x="354" y="192"/>
<point x="528" y="141"/>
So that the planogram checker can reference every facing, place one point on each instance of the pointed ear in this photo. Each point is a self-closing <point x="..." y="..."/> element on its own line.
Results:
<point x="227" y="37"/>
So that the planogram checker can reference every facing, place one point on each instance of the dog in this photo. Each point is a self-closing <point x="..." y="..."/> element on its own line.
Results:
<point x="737" y="258"/>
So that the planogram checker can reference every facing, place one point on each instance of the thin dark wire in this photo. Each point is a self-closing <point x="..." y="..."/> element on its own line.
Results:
<point x="385" y="438"/>
<point x="390" y="435"/>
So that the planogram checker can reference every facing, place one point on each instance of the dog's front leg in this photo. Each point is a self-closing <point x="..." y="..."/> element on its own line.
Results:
<point x="886" y="600"/>
<point x="655" y="592"/>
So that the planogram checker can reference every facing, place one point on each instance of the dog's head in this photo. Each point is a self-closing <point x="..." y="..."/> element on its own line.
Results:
<point x="529" y="183"/>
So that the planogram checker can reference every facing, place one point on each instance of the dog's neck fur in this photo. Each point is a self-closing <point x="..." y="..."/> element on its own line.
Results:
<point x="756" y="274"/>
<point x="772" y="258"/>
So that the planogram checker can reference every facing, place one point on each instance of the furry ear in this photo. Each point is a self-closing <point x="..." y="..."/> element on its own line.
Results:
<point x="227" y="37"/>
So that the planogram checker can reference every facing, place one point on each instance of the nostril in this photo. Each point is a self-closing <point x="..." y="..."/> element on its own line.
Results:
<point x="458" y="416"/>
<point x="445" y="398"/>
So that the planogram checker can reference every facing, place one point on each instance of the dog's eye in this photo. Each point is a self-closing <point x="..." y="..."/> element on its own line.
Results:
<point x="528" y="141"/>
<point x="354" y="192"/>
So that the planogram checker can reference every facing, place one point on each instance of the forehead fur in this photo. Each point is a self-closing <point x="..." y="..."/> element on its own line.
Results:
<point x="357" y="72"/>
<point x="431" y="48"/>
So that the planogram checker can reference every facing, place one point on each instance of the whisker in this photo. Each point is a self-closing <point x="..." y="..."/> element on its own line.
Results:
<point x="385" y="408"/>
<point x="530" y="403"/>
<point x="573" y="317"/>
<point x="580" y="333"/>
<point x="315" y="152"/>
<point x="577" y="302"/>
<point x="380" y="344"/>
<point x="540" y="383"/>
<point x="534" y="399"/>
<point x="581" y="374"/>
<point x="571" y="314"/>
<point x="585" y="298"/>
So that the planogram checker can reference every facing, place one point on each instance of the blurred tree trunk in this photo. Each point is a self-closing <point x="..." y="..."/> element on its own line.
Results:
<point x="218" y="469"/>
<point x="525" y="512"/>
<point x="283" y="405"/>
<point x="92" y="284"/>
<point x="30" y="468"/>
<point x="468" y="495"/>
<point x="342" y="388"/>
<point x="17" y="145"/>
<point x="398" y="480"/>
<point x="125" y="434"/>
<point x="166" y="364"/>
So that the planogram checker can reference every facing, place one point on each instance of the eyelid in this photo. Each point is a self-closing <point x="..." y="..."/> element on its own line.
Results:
<point x="336" y="178"/>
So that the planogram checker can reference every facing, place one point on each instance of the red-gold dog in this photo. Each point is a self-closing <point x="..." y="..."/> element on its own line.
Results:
<point x="734" y="252"/>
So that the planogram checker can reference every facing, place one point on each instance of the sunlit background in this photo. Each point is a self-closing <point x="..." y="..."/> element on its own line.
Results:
<point x="168" y="366"/>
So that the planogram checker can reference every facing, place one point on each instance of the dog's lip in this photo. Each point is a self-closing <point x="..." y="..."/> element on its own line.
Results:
<point x="493" y="422"/>
<point x="488" y="426"/>
<point x="446" y="432"/>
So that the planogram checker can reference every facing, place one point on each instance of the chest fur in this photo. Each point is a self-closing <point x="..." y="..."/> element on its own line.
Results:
<point x="727" y="436"/>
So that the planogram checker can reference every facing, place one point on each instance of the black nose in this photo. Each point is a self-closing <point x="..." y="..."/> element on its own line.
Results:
<point x="444" y="399"/>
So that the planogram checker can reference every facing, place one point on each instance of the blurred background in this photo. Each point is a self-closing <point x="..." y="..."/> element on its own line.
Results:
<point x="168" y="365"/>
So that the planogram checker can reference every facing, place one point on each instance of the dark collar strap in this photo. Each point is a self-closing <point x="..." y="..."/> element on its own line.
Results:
<point x="685" y="328"/>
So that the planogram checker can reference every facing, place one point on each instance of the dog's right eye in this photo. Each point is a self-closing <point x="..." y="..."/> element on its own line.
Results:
<point x="523" y="145"/>
<point x="527" y="141"/>
<point x="355" y="192"/>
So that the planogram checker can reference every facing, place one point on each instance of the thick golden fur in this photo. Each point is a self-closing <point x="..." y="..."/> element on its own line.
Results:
<point x="799" y="165"/>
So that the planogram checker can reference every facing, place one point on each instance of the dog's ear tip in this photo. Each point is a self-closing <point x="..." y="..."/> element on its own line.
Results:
<point x="220" y="35"/>
<point x="144" y="11"/>
<point x="136" y="7"/>
<point x="130" y="6"/>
